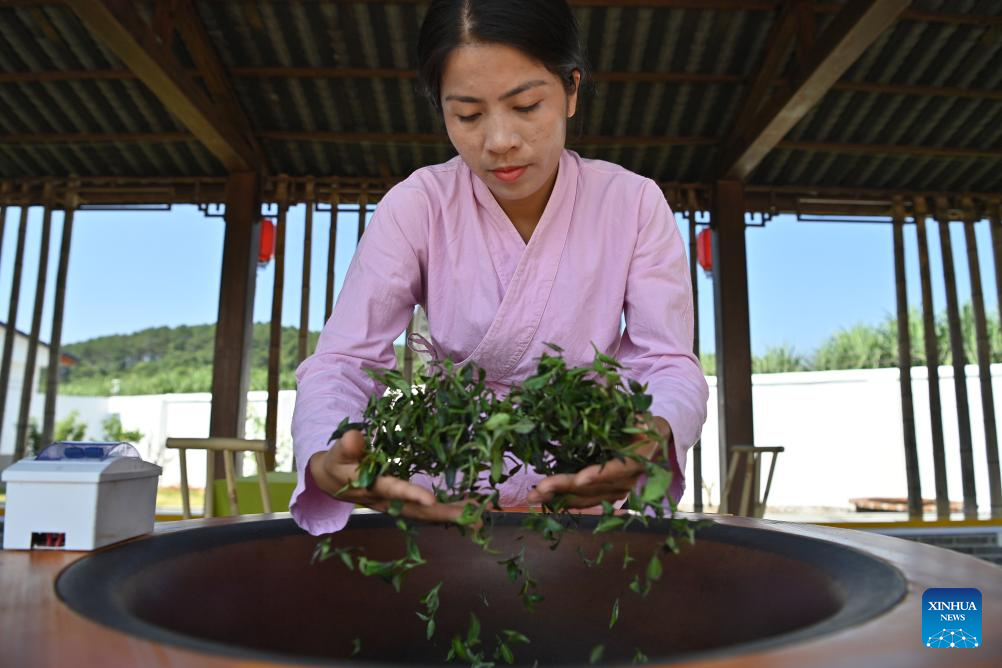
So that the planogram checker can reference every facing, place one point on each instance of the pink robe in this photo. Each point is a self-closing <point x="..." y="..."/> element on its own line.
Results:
<point x="606" y="245"/>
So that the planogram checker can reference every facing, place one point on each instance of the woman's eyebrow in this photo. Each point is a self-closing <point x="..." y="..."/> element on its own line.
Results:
<point x="512" y="93"/>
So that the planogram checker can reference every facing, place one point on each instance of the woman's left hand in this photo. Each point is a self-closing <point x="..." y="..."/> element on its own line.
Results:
<point x="610" y="482"/>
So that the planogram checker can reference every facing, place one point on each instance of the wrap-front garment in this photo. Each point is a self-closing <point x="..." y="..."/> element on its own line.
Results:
<point x="606" y="245"/>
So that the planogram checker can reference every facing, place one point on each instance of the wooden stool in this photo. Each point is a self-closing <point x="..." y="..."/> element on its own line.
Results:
<point x="227" y="446"/>
<point x="751" y="474"/>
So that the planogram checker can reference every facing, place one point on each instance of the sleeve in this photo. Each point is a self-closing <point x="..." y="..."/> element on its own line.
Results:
<point x="657" y="344"/>
<point x="376" y="301"/>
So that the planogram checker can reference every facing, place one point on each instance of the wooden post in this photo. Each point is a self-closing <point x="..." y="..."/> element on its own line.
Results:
<point x="905" y="366"/>
<point x="984" y="348"/>
<point x="3" y="220"/>
<point x="697" y="449"/>
<point x="331" y="255"/>
<point x="363" y="204"/>
<point x="730" y="293"/>
<point x="995" y="223"/>
<point x="275" y="343"/>
<point x="10" y="335"/>
<point x="234" y="326"/>
<point x="932" y="364"/>
<point x="304" y="307"/>
<point x="28" y="386"/>
<point x="55" y="342"/>
<point x="959" y="360"/>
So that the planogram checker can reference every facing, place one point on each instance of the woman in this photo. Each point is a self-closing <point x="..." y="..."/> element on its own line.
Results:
<point x="514" y="243"/>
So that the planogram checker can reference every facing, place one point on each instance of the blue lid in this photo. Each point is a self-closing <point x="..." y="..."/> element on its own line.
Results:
<point x="86" y="451"/>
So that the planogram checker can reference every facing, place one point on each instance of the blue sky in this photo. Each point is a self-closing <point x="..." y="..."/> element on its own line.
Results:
<point x="133" y="270"/>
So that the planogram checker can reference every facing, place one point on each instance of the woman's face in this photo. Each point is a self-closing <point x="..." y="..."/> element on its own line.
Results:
<point x="506" y="114"/>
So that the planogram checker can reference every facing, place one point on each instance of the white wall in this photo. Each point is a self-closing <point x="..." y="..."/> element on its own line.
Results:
<point x="843" y="435"/>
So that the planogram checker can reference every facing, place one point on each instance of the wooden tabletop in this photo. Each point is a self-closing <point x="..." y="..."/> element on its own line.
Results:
<point x="37" y="629"/>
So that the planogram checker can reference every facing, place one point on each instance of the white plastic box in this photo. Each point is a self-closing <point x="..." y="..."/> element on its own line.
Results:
<point x="79" y="496"/>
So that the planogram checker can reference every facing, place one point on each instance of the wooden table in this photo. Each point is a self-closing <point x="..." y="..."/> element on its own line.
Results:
<point x="37" y="629"/>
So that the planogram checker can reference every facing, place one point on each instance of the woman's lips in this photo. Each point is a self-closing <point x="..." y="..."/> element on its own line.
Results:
<point x="509" y="174"/>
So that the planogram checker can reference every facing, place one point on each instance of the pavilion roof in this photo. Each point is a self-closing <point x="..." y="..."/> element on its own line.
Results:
<point x="686" y="92"/>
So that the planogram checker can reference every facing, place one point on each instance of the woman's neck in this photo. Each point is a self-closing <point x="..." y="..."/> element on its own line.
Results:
<point x="525" y="213"/>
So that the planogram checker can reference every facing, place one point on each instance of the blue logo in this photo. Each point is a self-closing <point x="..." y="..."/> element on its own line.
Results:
<point x="951" y="618"/>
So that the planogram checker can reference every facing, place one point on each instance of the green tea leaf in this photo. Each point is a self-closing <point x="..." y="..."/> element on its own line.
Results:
<point x="615" y="614"/>
<point x="497" y="421"/>
<point x="656" y="486"/>
<point x="473" y="632"/>
<point x="654" y="569"/>
<point x="470" y="515"/>
<point x="505" y="653"/>
<point x="608" y="524"/>
<point x="596" y="653"/>
<point x="627" y="559"/>
<point x="514" y="636"/>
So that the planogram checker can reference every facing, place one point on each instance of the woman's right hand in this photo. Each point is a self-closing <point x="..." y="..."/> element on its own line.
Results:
<point x="334" y="470"/>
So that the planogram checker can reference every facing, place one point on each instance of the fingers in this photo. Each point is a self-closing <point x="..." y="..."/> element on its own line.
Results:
<point x="608" y="482"/>
<point x="348" y="449"/>
<point x="390" y="488"/>
<point x="438" y="512"/>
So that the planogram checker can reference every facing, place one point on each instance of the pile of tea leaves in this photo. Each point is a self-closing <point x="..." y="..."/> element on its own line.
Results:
<point x="451" y="426"/>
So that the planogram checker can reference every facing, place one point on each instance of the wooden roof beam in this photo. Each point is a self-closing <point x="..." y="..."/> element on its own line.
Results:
<point x="619" y="77"/>
<point x="213" y="73"/>
<point x="778" y="44"/>
<point x="118" y="26"/>
<point x="855" y="28"/>
<point x="431" y="138"/>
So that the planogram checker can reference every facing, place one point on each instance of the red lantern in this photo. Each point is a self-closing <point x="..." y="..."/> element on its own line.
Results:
<point x="266" y="247"/>
<point x="704" y="249"/>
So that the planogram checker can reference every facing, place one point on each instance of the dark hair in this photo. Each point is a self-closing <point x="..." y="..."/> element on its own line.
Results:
<point x="545" y="30"/>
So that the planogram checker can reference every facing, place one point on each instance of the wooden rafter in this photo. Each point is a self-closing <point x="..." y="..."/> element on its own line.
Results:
<point x="435" y="139"/>
<point x="211" y="70"/>
<point x="355" y="73"/>
<point x="117" y="24"/>
<point x="852" y="30"/>
<point x="778" y="44"/>
<point x="618" y="77"/>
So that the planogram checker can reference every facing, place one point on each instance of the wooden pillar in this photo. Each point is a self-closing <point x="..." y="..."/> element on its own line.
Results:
<point x="959" y="358"/>
<point x="28" y="386"/>
<point x="905" y="366"/>
<point x="733" y="336"/>
<point x="304" y="306"/>
<point x="234" y="326"/>
<point x="697" y="449"/>
<point x="331" y="255"/>
<point x="363" y="205"/>
<point x="275" y="341"/>
<point x="10" y="335"/>
<point x="3" y="222"/>
<point x="984" y="349"/>
<point x="408" y="353"/>
<point x="55" y="341"/>
<point x="995" y="223"/>
<point x="932" y="363"/>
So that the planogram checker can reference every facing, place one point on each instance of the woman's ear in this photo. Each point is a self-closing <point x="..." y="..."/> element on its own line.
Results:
<point x="572" y="97"/>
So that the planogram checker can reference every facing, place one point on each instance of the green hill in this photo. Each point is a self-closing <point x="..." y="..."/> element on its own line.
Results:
<point x="170" y="359"/>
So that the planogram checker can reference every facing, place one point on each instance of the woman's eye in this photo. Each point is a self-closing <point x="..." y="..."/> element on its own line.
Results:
<point x="525" y="110"/>
<point x="468" y="119"/>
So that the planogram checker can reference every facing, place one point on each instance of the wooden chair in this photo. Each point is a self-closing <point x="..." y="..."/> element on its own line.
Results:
<point x="749" y="508"/>
<point x="228" y="446"/>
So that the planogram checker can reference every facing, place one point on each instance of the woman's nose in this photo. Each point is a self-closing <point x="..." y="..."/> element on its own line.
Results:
<point x="501" y="137"/>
